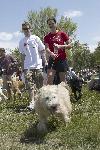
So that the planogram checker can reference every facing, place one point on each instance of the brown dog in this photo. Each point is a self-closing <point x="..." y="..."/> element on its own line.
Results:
<point x="15" y="86"/>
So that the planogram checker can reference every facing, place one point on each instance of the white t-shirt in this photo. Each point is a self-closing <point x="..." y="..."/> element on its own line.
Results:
<point x="31" y="47"/>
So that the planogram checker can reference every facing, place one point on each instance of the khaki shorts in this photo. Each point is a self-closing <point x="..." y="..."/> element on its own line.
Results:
<point x="33" y="77"/>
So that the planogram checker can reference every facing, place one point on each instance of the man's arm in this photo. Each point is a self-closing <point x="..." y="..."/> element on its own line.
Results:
<point x="43" y="56"/>
<point x="48" y="52"/>
<point x="22" y="60"/>
<point x="67" y="45"/>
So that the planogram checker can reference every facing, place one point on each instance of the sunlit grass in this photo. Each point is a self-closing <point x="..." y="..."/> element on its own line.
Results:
<point x="18" y="126"/>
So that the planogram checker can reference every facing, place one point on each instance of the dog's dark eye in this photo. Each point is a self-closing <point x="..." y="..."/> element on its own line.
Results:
<point x="47" y="98"/>
<point x="53" y="97"/>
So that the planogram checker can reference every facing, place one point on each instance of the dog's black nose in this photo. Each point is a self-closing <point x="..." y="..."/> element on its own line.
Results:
<point x="54" y="107"/>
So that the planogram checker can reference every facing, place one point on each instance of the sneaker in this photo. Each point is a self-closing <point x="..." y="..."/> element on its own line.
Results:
<point x="30" y="109"/>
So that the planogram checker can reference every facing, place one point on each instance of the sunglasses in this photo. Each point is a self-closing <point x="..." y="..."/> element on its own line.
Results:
<point x="25" y="28"/>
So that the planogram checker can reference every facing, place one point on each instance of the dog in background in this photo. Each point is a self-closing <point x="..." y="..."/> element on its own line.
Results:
<point x="15" y="86"/>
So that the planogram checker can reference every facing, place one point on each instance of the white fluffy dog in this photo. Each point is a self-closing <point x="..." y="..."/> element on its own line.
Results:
<point x="52" y="99"/>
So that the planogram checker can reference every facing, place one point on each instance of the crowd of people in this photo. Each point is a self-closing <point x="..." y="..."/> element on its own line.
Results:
<point x="42" y="63"/>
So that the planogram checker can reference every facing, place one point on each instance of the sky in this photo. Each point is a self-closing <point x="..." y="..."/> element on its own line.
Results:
<point x="85" y="13"/>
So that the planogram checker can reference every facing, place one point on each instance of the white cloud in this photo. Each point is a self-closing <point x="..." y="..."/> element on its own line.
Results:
<point x="5" y="36"/>
<point x="10" y="40"/>
<point x="94" y="43"/>
<point x="17" y="34"/>
<point x="9" y="45"/>
<point x="73" y="13"/>
<point x="92" y="47"/>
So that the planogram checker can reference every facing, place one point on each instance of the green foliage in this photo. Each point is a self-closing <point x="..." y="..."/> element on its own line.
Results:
<point x="16" y="54"/>
<point x="81" y="56"/>
<point x="67" y="25"/>
<point x="97" y="54"/>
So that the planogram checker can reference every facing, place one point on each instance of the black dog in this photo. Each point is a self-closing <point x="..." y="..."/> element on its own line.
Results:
<point x="76" y="87"/>
<point x="74" y="82"/>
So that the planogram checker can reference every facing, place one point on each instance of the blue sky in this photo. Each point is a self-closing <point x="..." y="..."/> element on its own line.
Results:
<point x="83" y="12"/>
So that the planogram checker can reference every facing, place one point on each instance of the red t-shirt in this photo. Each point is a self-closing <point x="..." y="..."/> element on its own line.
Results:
<point x="59" y="38"/>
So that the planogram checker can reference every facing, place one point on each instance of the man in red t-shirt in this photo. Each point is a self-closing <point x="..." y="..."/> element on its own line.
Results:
<point x="55" y="43"/>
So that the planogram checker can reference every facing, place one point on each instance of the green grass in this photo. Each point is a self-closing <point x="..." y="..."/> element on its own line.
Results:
<point x="18" y="128"/>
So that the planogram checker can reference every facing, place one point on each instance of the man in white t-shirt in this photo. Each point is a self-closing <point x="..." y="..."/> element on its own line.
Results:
<point x="33" y="56"/>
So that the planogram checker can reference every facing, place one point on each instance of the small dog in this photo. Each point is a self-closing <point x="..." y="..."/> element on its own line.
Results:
<point x="55" y="100"/>
<point x="76" y="87"/>
<point x="15" y="86"/>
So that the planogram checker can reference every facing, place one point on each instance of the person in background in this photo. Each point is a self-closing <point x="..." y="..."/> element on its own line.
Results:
<point x="55" y="43"/>
<point x="8" y="65"/>
<point x="33" y="54"/>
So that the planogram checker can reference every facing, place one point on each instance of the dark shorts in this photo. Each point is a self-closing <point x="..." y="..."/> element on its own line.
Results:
<point x="59" y="65"/>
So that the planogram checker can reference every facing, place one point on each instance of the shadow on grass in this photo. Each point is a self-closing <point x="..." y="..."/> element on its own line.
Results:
<point x="17" y="107"/>
<point x="32" y="135"/>
<point x="73" y="100"/>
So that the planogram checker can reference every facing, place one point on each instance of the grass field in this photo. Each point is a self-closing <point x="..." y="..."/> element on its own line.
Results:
<point x="18" y="126"/>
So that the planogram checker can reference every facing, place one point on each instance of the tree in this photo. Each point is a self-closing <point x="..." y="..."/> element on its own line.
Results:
<point x="81" y="56"/>
<point x="67" y="25"/>
<point x="16" y="54"/>
<point x="38" y="21"/>
<point x="97" y="54"/>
